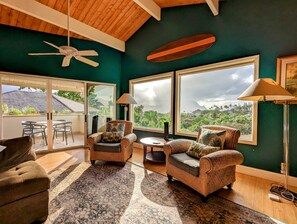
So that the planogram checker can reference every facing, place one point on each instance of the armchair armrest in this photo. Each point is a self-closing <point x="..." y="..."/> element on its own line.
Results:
<point x="128" y="139"/>
<point x="220" y="159"/>
<point x="94" y="138"/>
<point x="17" y="150"/>
<point x="177" y="146"/>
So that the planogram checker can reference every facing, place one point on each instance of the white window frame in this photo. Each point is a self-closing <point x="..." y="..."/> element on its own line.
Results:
<point x="231" y="63"/>
<point x="149" y="79"/>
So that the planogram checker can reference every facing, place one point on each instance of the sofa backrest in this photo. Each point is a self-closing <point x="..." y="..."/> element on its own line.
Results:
<point x="232" y="135"/>
<point x="18" y="150"/>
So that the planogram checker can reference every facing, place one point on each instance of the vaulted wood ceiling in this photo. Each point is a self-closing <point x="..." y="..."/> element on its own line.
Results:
<point x="119" y="19"/>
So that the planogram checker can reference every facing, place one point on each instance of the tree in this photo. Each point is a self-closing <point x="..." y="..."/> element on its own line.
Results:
<point x="75" y="96"/>
<point x="4" y="108"/>
<point x="29" y="110"/>
<point x="32" y="89"/>
<point x="138" y="114"/>
<point x="14" y="111"/>
<point x="92" y="98"/>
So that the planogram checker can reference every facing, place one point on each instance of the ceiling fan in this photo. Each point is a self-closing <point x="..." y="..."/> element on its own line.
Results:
<point x="69" y="51"/>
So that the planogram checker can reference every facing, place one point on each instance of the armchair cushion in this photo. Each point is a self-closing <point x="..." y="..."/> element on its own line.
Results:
<point x="107" y="147"/>
<point x="198" y="150"/>
<point x="112" y="137"/>
<point x="212" y="137"/>
<point x="185" y="163"/>
<point x="115" y="127"/>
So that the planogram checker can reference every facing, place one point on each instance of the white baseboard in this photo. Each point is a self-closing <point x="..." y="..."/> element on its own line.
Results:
<point x="276" y="177"/>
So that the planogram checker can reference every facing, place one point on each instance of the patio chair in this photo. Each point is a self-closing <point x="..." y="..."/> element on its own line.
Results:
<point x="31" y="128"/>
<point x="63" y="127"/>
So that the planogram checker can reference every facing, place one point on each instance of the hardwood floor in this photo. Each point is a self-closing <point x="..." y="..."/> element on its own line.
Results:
<point x="248" y="191"/>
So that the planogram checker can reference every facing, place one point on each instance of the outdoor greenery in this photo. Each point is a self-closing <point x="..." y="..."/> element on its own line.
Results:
<point x="96" y="104"/>
<point x="150" y="119"/>
<point x="233" y="115"/>
<point x="75" y="96"/>
<point x="15" y="111"/>
<point x="29" y="110"/>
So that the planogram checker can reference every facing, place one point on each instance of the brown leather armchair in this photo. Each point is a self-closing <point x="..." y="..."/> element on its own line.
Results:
<point x="116" y="152"/>
<point x="212" y="171"/>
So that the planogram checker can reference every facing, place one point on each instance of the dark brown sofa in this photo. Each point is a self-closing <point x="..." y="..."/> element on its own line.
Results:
<point x="24" y="184"/>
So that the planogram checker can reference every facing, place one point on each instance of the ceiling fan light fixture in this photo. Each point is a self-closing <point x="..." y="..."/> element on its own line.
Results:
<point x="69" y="51"/>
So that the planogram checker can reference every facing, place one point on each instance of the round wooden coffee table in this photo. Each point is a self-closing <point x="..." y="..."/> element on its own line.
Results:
<point x="153" y="156"/>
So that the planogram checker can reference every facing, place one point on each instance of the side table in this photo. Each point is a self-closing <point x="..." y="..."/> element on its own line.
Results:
<point x="153" y="156"/>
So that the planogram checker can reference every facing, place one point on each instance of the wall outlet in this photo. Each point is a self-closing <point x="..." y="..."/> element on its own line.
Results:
<point x="283" y="168"/>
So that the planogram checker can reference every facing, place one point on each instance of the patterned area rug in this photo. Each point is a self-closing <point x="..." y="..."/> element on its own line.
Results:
<point x="132" y="194"/>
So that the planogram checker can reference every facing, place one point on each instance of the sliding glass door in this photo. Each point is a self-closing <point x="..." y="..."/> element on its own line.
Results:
<point x="24" y="109"/>
<point x="53" y="111"/>
<point x="67" y="113"/>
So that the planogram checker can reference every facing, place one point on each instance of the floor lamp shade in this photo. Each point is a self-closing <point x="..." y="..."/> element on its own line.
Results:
<point x="125" y="100"/>
<point x="268" y="90"/>
<point x="265" y="90"/>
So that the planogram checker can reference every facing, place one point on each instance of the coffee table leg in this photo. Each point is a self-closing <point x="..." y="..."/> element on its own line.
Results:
<point x="144" y="153"/>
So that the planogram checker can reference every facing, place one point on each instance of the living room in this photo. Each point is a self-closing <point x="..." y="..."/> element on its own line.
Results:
<point x="242" y="29"/>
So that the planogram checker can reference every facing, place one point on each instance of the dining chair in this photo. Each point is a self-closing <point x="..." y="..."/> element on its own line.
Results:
<point x="63" y="126"/>
<point x="31" y="128"/>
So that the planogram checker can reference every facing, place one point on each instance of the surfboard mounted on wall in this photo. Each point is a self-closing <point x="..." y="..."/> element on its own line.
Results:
<point x="182" y="48"/>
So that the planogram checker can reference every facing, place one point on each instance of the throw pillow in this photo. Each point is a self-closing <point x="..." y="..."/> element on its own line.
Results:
<point x="198" y="150"/>
<point x="115" y="127"/>
<point x="112" y="137"/>
<point x="212" y="137"/>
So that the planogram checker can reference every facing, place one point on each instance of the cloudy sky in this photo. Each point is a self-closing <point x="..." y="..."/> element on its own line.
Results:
<point x="198" y="91"/>
<point x="215" y="87"/>
<point x="154" y="95"/>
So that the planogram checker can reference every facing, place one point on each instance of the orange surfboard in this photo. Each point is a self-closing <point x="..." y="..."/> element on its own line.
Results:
<point x="182" y="48"/>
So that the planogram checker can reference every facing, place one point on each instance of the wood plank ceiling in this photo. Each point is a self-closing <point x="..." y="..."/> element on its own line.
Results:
<point x="117" y="18"/>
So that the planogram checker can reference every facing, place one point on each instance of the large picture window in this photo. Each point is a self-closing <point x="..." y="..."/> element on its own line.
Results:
<point x="153" y="95"/>
<point x="208" y="95"/>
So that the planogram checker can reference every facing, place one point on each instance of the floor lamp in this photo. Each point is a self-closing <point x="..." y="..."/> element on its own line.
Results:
<point x="125" y="100"/>
<point x="268" y="90"/>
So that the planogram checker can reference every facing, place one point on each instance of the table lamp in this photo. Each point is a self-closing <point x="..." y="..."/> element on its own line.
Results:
<point x="268" y="90"/>
<point x="125" y="100"/>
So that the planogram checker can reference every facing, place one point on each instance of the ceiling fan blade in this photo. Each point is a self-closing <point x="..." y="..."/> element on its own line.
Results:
<point x="41" y="54"/>
<point x="87" y="61"/>
<point x="87" y="53"/>
<point x="66" y="61"/>
<point x="52" y="45"/>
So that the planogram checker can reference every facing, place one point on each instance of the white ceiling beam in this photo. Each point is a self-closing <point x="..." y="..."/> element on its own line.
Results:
<point x="151" y="7"/>
<point x="47" y="14"/>
<point x="214" y="6"/>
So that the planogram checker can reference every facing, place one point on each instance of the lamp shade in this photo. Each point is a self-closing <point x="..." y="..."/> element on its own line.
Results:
<point x="265" y="90"/>
<point x="126" y="98"/>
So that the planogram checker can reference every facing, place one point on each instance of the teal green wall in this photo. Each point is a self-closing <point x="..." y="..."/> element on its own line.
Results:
<point x="15" y="44"/>
<point x="243" y="28"/>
